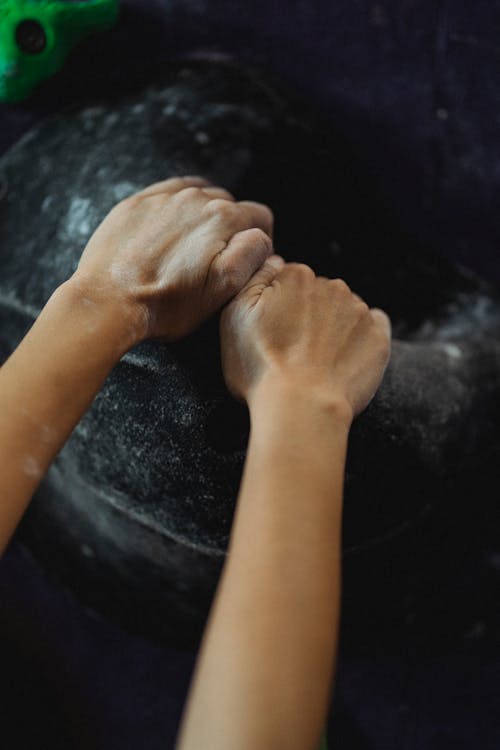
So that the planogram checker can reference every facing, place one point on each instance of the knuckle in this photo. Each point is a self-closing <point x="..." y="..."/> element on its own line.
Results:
<point x="173" y="183"/>
<point x="189" y="193"/>
<point x="186" y="180"/>
<point x="362" y="308"/>
<point x="127" y="204"/>
<point x="269" y="213"/>
<point x="263" y="210"/>
<point x="301" y="269"/>
<point x="256" y="236"/>
<point x="215" y="193"/>
<point x="220" y="207"/>
<point x="339" y="286"/>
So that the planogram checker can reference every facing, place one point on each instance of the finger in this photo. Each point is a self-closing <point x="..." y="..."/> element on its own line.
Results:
<point x="237" y="263"/>
<point x="300" y="270"/>
<point x="340" y="285"/>
<point x="357" y="297"/>
<point x="265" y="275"/>
<point x="174" y="185"/>
<point x="257" y="215"/>
<point x="382" y="319"/>
<point x="218" y="192"/>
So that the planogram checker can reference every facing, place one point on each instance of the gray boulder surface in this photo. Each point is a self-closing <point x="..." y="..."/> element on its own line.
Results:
<point x="135" y="514"/>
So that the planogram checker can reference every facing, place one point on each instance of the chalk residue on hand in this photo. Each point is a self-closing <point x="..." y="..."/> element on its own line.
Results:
<point x="32" y="468"/>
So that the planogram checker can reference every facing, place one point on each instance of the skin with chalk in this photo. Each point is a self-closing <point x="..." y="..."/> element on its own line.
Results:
<point x="170" y="515"/>
<point x="422" y="366"/>
<point x="138" y="279"/>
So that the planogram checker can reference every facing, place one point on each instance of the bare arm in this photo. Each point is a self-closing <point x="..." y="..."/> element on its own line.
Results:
<point x="47" y="385"/>
<point x="307" y="355"/>
<point x="159" y="264"/>
<point x="264" y="676"/>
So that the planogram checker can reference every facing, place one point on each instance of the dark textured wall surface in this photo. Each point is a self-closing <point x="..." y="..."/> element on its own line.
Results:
<point x="413" y="88"/>
<point x="413" y="84"/>
<point x="135" y="512"/>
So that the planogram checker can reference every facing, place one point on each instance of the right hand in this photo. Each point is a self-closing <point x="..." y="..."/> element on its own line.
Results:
<point x="288" y="326"/>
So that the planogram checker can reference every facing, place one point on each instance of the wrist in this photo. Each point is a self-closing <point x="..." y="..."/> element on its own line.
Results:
<point x="115" y="324"/>
<point x="278" y="394"/>
<point x="124" y="319"/>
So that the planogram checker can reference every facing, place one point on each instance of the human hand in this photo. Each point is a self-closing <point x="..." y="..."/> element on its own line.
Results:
<point x="287" y="326"/>
<point x="173" y="254"/>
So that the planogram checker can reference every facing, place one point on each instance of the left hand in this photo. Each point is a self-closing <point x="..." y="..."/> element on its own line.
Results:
<point x="174" y="253"/>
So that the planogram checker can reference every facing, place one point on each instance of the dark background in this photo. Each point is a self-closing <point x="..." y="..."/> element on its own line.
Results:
<point x="415" y="87"/>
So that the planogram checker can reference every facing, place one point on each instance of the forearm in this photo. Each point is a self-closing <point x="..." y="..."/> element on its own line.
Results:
<point x="47" y="385"/>
<point x="265" y="668"/>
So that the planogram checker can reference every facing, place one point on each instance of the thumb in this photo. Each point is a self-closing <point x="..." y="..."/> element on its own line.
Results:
<point x="264" y="276"/>
<point x="242" y="264"/>
<point x="250" y="294"/>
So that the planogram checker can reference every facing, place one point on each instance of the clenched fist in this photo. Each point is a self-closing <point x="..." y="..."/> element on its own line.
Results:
<point x="288" y="326"/>
<point x="172" y="254"/>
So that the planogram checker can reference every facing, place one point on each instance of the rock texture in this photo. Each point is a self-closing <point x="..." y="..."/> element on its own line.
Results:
<point x="136" y="512"/>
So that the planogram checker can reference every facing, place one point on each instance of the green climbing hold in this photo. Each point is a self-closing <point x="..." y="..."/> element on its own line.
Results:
<point x="37" y="35"/>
